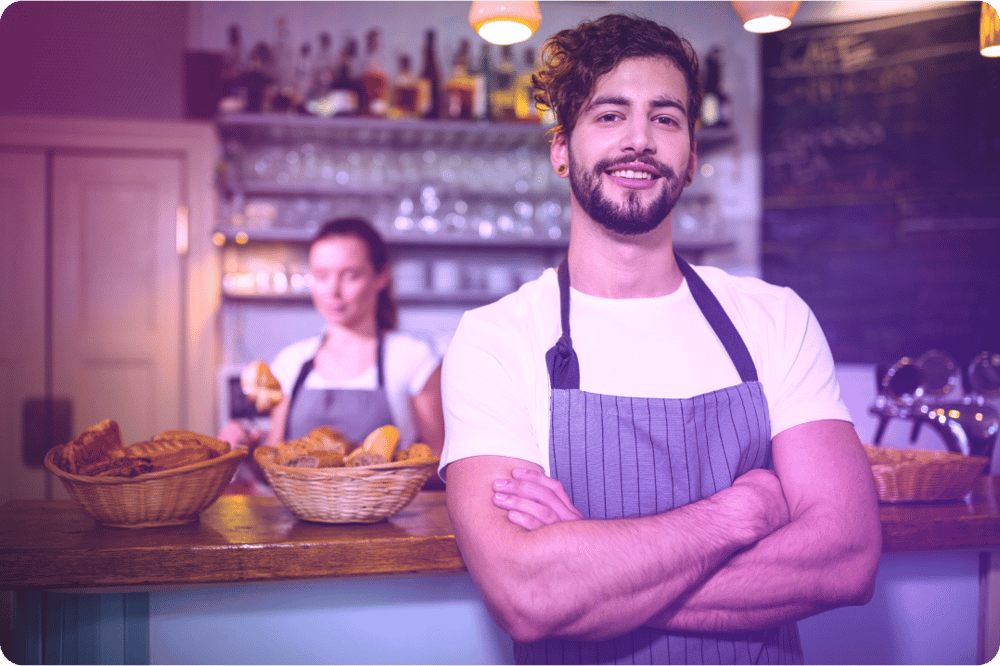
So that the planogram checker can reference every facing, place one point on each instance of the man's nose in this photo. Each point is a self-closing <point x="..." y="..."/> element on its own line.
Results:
<point x="638" y="136"/>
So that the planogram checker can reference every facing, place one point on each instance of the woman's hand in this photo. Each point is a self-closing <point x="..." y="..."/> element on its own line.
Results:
<point x="239" y="436"/>
<point x="533" y="500"/>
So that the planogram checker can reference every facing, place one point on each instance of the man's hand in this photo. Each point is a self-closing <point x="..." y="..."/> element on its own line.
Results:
<point x="533" y="500"/>
<point x="760" y="490"/>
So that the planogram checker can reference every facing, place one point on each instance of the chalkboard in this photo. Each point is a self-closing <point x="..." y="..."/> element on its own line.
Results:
<point x="881" y="176"/>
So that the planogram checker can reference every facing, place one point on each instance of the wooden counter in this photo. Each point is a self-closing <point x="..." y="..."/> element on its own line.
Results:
<point x="54" y="545"/>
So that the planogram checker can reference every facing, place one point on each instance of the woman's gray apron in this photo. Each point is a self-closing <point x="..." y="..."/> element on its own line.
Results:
<point x="354" y="412"/>
<point x="621" y="457"/>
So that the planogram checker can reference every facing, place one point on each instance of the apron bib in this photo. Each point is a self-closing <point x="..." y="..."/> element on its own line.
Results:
<point x="354" y="412"/>
<point x="624" y="457"/>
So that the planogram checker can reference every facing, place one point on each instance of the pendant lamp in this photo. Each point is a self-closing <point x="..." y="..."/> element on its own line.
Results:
<point x="989" y="30"/>
<point x="764" y="15"/>
<point x="505" y="21"/>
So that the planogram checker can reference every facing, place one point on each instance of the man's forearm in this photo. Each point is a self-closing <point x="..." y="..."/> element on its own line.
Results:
<point x="795" y="572"/>
<point x="590" y="580"/>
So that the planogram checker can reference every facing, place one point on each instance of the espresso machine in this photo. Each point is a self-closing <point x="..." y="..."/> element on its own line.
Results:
<point x="925" y="391"/>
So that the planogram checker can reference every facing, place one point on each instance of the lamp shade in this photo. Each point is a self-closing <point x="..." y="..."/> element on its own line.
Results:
<point x="504" y="21"/>
<point x="989" y="30"/>
<point x="764" y="15"/>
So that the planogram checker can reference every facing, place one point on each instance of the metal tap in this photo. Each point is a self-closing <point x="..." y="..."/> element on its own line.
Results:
<point x="914" y="390"/>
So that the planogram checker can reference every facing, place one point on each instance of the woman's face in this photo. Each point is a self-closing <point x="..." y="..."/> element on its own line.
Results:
<point x="345" y="285"/>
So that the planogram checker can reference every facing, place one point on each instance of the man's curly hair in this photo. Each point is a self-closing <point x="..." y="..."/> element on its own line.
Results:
<point x="575" y="58"/>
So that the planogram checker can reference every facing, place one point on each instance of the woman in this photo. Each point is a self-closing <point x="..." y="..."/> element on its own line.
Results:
<point x="359" y="373"/>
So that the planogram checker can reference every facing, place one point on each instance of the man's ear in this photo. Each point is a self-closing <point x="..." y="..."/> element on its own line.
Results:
<point x="559" y="154"/>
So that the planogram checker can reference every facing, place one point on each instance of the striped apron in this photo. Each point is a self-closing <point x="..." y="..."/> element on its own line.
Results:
<point x="621" y="457"/>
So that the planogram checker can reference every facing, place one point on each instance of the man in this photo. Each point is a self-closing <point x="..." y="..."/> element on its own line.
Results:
<point x="678" y="480"/>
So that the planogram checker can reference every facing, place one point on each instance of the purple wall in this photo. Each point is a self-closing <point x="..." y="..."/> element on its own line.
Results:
<point x="102" y="59"/>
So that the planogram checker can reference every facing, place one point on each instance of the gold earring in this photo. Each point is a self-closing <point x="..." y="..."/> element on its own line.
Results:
<point x="689" y="180"/>
<point x="563" y="168"/>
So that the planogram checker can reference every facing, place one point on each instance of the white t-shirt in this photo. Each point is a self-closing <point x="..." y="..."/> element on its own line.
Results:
<point x="496" y="385"/>
<point x="408" y="361"/>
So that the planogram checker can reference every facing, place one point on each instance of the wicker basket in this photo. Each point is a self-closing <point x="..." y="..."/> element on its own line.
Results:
<point x="171" y="497"/>
<point x="345" y="494"/>
<point x="916" y="475"/>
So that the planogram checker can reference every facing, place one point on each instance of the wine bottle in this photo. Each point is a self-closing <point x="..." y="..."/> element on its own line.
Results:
<point x="430" y="80"/>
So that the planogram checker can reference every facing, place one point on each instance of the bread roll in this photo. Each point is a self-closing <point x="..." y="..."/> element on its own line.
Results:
<point x="330" y="439"/>
<point x="260" y="386"/>
<point x="382" y="441"/>
<point x="361" y="458"/>
<point x="416" y="452"/>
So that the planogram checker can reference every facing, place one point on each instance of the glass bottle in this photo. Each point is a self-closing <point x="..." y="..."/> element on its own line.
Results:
<point x="715" y="103"/>
<point x="346" y="86"/>
<point x="482" y="108"/>
<point x="405" y="90"/>
<point x="503" y="94"/>
<point x="524" y="100"/>
<point x="374" y="79"/>
<point x="324" y="67"/>
<point x="430" y="80"/>
<point x="458" y="91"/>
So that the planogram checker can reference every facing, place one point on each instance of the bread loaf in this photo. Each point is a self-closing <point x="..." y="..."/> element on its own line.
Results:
<point x="96" y="445"/>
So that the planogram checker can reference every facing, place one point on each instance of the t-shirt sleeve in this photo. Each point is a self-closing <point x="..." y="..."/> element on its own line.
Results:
<point x="486" y="406"/>
<point x="802" y="371"/>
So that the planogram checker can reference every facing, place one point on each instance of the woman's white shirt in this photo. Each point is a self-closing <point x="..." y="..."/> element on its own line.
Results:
<point x="408" y="361"/>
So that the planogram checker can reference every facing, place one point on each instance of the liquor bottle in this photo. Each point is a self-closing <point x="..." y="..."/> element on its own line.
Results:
<point x="405" y="90"/>
<point x="346" y="85"/>
<point x="482" y="108"/>
<point x="234" y="93"/>
<point x="374" y="79"/>
<point x="324" y="67"/>
<point x="430" y="80"/>
<point x="257" y="80"/>
<point x="302" y="79"/>
<point x="282" y="68"/>
<point x="503" y="94"/>
<point x="524" y="100"/>
<point x="458" y="91"/>
<point x="715" y="109"/>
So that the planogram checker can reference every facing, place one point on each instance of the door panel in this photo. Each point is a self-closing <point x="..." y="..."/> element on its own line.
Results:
<point x="22" y="299"/>
<point x="116" y="276"/>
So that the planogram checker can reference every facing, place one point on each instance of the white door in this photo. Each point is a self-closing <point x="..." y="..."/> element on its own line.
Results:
<point x="22" y="299"/>
<point x="117" y="290"/>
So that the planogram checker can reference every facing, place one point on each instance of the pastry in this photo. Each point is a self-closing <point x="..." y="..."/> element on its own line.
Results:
<point x="260" y="386"/>
<point x="172" y="453"/>
<point x="97" y="444"/>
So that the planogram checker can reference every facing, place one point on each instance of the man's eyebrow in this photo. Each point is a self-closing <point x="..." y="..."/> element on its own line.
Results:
<point x="614" y="100"/>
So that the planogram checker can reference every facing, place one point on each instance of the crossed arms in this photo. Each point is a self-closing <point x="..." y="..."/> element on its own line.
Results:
<point x="772" y="548"/>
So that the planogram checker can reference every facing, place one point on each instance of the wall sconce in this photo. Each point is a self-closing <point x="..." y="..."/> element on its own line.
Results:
<point x="505" y="21"/>
<point x="764" y="15"/>
<point x="989" y="30"/>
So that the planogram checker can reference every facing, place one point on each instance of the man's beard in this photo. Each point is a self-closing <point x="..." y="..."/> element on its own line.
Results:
<point x="630" y="218"/>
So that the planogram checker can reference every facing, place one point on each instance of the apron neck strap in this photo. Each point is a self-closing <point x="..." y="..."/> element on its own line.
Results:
<point x="564" y="365"/>
<point x="562" y="362"/>
<point x="308" y="366"/>
<point x="720" y="322"/>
